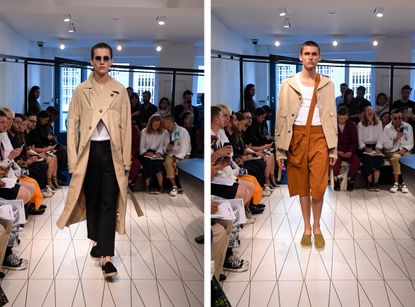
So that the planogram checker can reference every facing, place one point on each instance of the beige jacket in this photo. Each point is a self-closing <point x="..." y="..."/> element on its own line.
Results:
<point x="89" y="105"/>
<point x="289" y="103"/>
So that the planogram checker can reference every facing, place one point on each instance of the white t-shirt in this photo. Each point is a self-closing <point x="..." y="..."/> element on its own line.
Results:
<point x="307" y="95"/>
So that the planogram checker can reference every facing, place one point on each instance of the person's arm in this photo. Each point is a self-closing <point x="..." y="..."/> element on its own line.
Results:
<point x="360" y="136"/>
<point x="387" y="139"/>
<point x="379" y="134"/>
<point x="125" y="130"/>
<point x="185" y="145"/>
<point x="143" y="140"/>
<point x="409" y="141"/>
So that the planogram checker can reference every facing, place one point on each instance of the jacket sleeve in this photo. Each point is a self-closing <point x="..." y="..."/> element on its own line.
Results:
<point x="143" y="139"/>
<point x="333" y="151"/>
<point x="387" y="139"/>
<point x="280" y="152"/>
<point x="125" y="126"/>
<point x="72" y="136"/>
<point x="409" y="144"/>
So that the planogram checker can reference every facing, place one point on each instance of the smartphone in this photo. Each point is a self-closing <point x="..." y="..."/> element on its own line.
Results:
<point x="227" y="144"/>
<point x="243" y="171"/>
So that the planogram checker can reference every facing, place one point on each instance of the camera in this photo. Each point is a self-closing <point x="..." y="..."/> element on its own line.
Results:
<point x="254" y="41"/>
<point x="40" y="44"/>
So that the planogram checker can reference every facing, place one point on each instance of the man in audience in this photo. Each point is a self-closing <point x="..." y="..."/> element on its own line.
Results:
<point x="146" y="109"/>
<point x="180" y="109"/>
<point x="346" y="148"/>
<point x="179" y="148"/>
<point x="398" y="141"/>
<point x="339" y="99"/>
<point x="405" y="101"/>
<point x="362" y="102"/>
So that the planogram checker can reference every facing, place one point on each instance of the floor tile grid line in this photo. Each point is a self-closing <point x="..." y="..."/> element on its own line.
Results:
<point x="20" y="291"/>
<point x="188" y="288"/>
<point x="52" y="285"/>
<point x="174" y="256"/>
<point x="396" y="296"/>
<point x="380" y="263"/>
<point x="276" y="287"/>
<point x="78" y="285"/>
<point x="189" y="263"/>
<point x="248" y="285"/>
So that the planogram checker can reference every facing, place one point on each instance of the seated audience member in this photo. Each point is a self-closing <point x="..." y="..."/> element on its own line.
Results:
<point x="153" y="142"/>
<point x="178" y="148"/>
<point x="405" y="101"/>
<point x="362" y="102"/>
<point x="265" y="129"/>
<point x="340" y="99"/>
<point x="184" y="107"/>
<point x="385" y="118"/>
<point x="370" y="135"/>
<point x="346" y="148"/>
<point x="164" y="107"/>
<point x="135" y="109"/>
<point x="398" y="141"/>
<point x="147" y="109"/>
<point x="382" y="104"/>
<point x="130" y="90"/>
<point x="352" y="106"/>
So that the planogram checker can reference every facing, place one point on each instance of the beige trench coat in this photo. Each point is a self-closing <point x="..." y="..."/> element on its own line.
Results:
<point x="89" y="105"/>
<point x="289" y="103"/>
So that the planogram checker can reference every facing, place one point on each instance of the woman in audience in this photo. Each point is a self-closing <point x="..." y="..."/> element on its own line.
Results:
<point x="135" y="112"/>
<point x="385" y="118"/>
<point x="249" y="94"/>
<point x="153" y="142"/>
<point x="164" y="107"/>
<point x="352" y="107"/>
<point x="382" y="104"/>
<point x="34" y="105"/>
<point x="370" y="135"/>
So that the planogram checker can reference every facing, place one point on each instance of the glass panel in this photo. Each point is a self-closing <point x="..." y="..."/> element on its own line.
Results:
<point x="283" y="71"/>
<point x="336" y="73"/>
<point x="70" y="78"/>
<point x="199" y="81"/>
<point x="361" y="76"/>
<point x="145" y="81"/>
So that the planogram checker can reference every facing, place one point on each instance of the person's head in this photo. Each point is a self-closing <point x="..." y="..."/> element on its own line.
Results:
<point x="168" y="122"/>
<point x="310" y="55"/>
<point x="10" y="116"/>
<point x="4" y="122"/>
<point x="249" y="91"/>
<point x="130" y="90"/>
<point x="53" y="113"/>
<point x="405" y="92"/>
<point x="101" y="58"/>
<point x="216" y="118"/>
<point x="146" y="96"/>
<point x="43" y="118"/>
<point x="348" y="95"/>
<point x="164" y="103"/>
<point x="248" y="118"/>
<point x="361" y="91"/>
<point x="234" y="122"/>
<point x="34" y="93"/>
<point x="369" y="117"/>
<point x="134" y="99"/>
<point x="381" y="99"/>
<point x="385" y="118"/>
<point x="260" y="115"/>
<point x="405" y="113"/>
<point x="31" y="121"/>
<point x="226" y="111"/>
<point x="154" y="124"/>
<point x="342" y="115"/>
<point x="343" y="88"/>
<point x="267" y="110"/>
<point x="396" y="118"/>
<point x="17" y="123"/>
<point x="241" y="121"/>
<point x="188" y="118"/>
<point x="187" y="97"/>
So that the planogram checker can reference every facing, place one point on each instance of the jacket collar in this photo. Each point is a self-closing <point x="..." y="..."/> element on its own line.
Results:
<point x="90" y="83"/>
<point x="323" y="82"/>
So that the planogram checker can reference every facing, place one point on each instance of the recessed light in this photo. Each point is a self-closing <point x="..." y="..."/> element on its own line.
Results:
<point x="277" y="43"/>
<point x="116" y="19"/>
<point x="375" y="42"/>
<point x="334" y="43"/>
<point x="378" y="12"/>
<point x="332" y="13"/>
<point x="62" y="46"/>
<point x="161" y="20"/>
<point x="283" y="12"/>
<point x="159" y="48"/>
<point x="119" y="47"/>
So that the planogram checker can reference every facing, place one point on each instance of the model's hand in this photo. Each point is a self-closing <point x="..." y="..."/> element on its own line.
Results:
<point x="281" y="164"/>
<point x="332" y="161"/>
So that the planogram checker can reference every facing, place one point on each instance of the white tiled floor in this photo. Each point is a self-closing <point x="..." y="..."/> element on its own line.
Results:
<point x="369" y="259"/>
<point x="158" y="261"/>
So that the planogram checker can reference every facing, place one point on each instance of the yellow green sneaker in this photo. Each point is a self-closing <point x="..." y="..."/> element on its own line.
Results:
<point x="306" y="241"/>
<point x="319" y="242"/>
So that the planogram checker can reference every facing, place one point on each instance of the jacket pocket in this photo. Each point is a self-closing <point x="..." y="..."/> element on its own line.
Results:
<point x="282" y="120"/>
<point x="298" y="148"/>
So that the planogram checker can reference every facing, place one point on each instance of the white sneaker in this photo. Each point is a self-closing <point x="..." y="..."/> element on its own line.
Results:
<point x="394" y="188"/>
<point x="173" y="191"/>
<point x="267" y="191"/>
<point x="404" y="188"/>
<point x="47" y="193"/>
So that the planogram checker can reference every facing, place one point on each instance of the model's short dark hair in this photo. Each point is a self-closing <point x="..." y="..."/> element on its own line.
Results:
<point x="309" y="43"/>
<point x="21" y="116"/>
<point x="101" y="45"/>
<point x="187" y="92"/>
<point x="342" y="110"/>
<point x="406" y="87"/>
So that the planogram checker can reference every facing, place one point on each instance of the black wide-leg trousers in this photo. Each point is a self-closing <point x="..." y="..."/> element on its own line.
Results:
<point x="101" y="193"/>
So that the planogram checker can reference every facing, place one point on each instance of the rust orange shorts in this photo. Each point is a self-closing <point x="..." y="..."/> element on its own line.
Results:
<point x="308" y="161"/>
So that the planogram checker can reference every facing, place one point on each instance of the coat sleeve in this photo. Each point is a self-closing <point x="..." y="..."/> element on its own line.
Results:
<point x="72" y="136"/>
<point x="125" y="126"/>
<point x="280" y="152"/>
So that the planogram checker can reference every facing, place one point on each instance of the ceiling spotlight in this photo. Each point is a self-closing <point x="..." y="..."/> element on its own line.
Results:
<point x="71" y="27"/>
<point x="159" y="48"/>
<point x="62" y="46"/>
<point x="375" y="42"/>
<point x="378" y="12"/>
<point x="68" y="18"/>
<point x="286" y="23"/>
<point x="161" y="20"/>
<point x="334" y="43"/>
<point x="283" y="12"/>
<point x="277" y="43"/>
<point x="119" y="47"/>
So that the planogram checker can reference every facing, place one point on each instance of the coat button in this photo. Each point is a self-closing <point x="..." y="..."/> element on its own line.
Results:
<point x="289" y="131"/>
<point x="112" y="95"/>
<point x="90" y="127"/>
<point x="100" y="111"/>
<point x="292" y="115"/>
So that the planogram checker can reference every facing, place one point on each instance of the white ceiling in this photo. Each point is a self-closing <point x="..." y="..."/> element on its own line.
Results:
<point x="354" y="20"/>
<point x="42" y="20"/>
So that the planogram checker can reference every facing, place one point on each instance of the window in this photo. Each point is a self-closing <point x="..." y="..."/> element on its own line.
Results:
<point x="122" y="76"/>
<point x="335" y="73"/>
<point x="283" y="72"/>
<point x="360" y="76"/>
<point x="200" y="85"/>
<point x="70" y="78"/>
<point x="145" y="81"/>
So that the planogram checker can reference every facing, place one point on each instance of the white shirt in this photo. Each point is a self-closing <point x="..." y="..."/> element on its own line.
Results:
<point x="100" y="133"/>
<point x="406" y="141"/>
<point x="153" y="141"/>
<point x="307" y="96"/>
<point x="372" y="134"/>
<point x="182" y="146"/>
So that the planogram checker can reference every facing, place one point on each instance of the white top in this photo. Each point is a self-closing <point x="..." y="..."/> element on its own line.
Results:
<point x="8" y="147"/>
<point x="156" y="142"/>
<point x="182" y="146"/>
<point x="406" y="141"/>
<point x="307" y="95"/>
<point x="100" y="133"/>
<point x="372" y="134"/>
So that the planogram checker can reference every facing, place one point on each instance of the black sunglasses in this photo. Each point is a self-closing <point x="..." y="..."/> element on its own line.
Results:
<point x="99" y="58"/>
